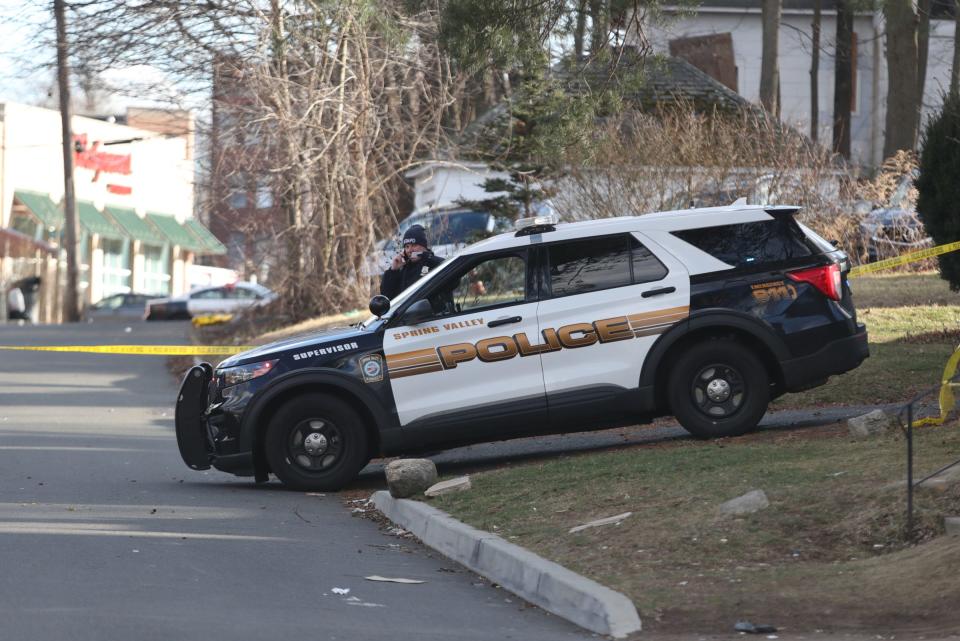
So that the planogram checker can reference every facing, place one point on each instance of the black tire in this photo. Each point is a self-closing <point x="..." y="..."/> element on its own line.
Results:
<point x="718" y="388"/>
<point x="326" y="462"/>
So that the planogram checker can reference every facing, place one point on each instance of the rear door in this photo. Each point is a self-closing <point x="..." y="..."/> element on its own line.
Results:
<point x="465" y="367"/>
<point x="607" y="300"/>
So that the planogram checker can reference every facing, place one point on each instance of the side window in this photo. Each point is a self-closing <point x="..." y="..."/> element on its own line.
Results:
<point x="499" y="280"/>
<point x="589" y="265"/>
<point x="207" y="294"/>
<point x="745" y="244"/>
<point x="646" y="267"/>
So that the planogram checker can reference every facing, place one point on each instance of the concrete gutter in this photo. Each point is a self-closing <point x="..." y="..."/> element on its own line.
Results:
<point x="544" y="583"/>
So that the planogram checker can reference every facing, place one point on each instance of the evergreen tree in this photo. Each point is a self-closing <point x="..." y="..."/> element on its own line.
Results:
<point x="938" y="199"/>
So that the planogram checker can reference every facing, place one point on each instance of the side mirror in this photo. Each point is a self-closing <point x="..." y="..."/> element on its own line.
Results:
<point x="418" y="312"/>
<point x="379" y="305"/>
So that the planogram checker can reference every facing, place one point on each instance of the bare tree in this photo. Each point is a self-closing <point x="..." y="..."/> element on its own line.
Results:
<point x="769" y="63"/>
<point x="903" y="103"/>
<point x="955" y="68"/>
<point x="815" y="71"/>
<point x="843" y="79"/>
<point x="332" y="102"/>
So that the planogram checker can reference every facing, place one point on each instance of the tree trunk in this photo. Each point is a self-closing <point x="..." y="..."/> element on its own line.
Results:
<point x="71" y="300"/>
<point x="902" y="100"/>
<point x="769" y="65"/>
<point x="580" y="29"/>
<point x="600" y="29"/>
<point x="843" y="79"/>
<point x="815" y="72"/>
<point x="923" y="51"/>
<point x="955" y="69"/>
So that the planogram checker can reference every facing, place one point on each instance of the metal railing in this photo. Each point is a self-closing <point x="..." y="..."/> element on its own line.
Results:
<point x="907" y="419"/>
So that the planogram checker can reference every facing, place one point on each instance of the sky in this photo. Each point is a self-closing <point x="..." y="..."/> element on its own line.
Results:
<point x="27" y="57"/>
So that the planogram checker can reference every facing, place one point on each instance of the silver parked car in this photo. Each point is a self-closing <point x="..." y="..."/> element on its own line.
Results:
<point x="209" y="300"/>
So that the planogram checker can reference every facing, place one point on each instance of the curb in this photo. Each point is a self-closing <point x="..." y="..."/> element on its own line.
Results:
<point x="544" y="583"/>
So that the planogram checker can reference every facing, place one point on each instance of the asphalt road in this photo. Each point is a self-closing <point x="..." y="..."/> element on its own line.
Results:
<point x="105" y="534"/>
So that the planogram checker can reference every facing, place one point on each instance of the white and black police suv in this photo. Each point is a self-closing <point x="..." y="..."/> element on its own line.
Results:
<point x="706" y="314"/>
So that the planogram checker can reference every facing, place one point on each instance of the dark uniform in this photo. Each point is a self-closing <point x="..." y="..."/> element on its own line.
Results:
<point x="395" y="281"/>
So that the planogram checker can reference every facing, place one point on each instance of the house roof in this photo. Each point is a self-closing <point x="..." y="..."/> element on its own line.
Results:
<point x="644" y="83"/>
<point x="939" y="9"/>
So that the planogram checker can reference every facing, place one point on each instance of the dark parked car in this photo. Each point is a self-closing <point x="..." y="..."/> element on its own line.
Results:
<point x="118" y="306"/>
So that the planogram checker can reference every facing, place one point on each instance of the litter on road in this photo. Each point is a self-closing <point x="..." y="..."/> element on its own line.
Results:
<point x="386" y="579"/>
<point x="341" y="591"/>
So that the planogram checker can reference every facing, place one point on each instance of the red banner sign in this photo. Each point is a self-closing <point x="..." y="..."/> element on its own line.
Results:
<point x="90" y="157"/>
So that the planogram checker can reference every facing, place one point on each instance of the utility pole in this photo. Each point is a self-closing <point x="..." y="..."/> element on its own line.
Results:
<point x="71" y="298"/>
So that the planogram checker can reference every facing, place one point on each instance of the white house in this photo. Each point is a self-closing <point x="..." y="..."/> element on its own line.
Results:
<point x="741" y="19"/>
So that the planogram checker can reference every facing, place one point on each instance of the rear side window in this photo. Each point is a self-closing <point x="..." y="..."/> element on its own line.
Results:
<point x="601" y="263"/>
<point x="747" y="244"/>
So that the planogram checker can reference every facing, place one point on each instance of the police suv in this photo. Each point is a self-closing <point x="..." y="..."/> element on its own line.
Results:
<point x="706" y="314"/>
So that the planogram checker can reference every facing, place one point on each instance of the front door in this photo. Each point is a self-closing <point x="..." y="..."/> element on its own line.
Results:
<point x="607" y="300"/>
<point x="463" y="367"/>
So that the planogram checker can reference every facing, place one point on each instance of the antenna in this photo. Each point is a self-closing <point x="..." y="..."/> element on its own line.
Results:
<point x="739" y="202"/>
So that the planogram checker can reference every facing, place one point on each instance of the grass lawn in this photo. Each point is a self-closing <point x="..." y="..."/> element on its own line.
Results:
<point x="827" y="554"/>
<point x="914" y="325"/>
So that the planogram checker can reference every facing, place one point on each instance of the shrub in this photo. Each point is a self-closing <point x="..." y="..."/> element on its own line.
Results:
<point x="938" y="185"/>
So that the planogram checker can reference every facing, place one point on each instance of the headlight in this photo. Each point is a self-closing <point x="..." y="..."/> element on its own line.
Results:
<point x="242" y="373"/>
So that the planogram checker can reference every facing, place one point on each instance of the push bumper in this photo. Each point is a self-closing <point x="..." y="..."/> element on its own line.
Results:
<point x="193" y="438"/>
<point x="836" y="357"/>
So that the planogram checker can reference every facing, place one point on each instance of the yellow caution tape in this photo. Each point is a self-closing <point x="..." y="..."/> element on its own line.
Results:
<point x="903" y="259"/>
<point x="211" y="319"/>
<point x="152" y="350"/>
<point x="947" y="400"/>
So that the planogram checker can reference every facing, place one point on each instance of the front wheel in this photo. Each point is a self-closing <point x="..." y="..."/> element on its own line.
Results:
<point x="718" y="388"/>
<point x="316" y="443"/>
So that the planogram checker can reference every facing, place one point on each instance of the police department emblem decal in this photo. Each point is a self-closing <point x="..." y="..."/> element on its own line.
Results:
<point x="372" y="368"/>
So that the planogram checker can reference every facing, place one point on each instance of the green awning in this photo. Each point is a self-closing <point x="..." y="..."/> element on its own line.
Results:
<point x="135" y="226"/>
<point x="41" y="206"/>
<point x="175" y="232"/>
<point x="96" y="223"/>
<point x="211" y="243"/>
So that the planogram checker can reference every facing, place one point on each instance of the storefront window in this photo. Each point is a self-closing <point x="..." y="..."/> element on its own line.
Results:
<point x="116" y="266"/>
<point x="156" y="280"/>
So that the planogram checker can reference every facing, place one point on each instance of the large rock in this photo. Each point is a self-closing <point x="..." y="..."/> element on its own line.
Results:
<point x="410" y="476"/>
<point x="751" y="502"/>
<point x="870" y="424"/>
<point x="459" y="484"/>
<point x="952" y="525"/>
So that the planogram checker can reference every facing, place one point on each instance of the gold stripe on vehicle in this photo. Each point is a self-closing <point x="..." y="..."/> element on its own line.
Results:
<point x="413" y="371"/>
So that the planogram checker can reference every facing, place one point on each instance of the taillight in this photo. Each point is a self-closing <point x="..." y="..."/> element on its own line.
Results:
<point x="826" y="279"/>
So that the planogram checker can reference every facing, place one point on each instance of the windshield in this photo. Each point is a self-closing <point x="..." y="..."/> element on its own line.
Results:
<point x="461" y="227"/>
<point x="413" y="289"/>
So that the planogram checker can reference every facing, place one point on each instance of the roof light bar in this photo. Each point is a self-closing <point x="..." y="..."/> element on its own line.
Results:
<point x="536" y="224"/>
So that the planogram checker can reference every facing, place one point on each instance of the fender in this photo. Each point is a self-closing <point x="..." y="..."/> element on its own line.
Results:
<point x="711" y="318"/>
<point x="383" y="418"/>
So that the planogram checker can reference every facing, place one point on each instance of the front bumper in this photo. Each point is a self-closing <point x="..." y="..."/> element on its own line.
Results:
<point x="193" y="438"/>
<point x="836" y="357"/>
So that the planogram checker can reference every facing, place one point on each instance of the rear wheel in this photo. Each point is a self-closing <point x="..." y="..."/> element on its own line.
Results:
<point x="718" y="388"/>
<point x="316" y="442"/>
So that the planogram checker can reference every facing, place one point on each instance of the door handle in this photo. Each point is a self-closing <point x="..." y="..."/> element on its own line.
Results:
<point x="658" y="292"/>
<point x="504" y="321"/>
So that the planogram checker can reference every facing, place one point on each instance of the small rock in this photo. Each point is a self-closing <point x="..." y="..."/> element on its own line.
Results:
<point x="459" y="484"/>
<point x="869" y="424"/>
<point x="751" y="502"/>
<point x="753" y="628"/>
<point x="407" y="477"/>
